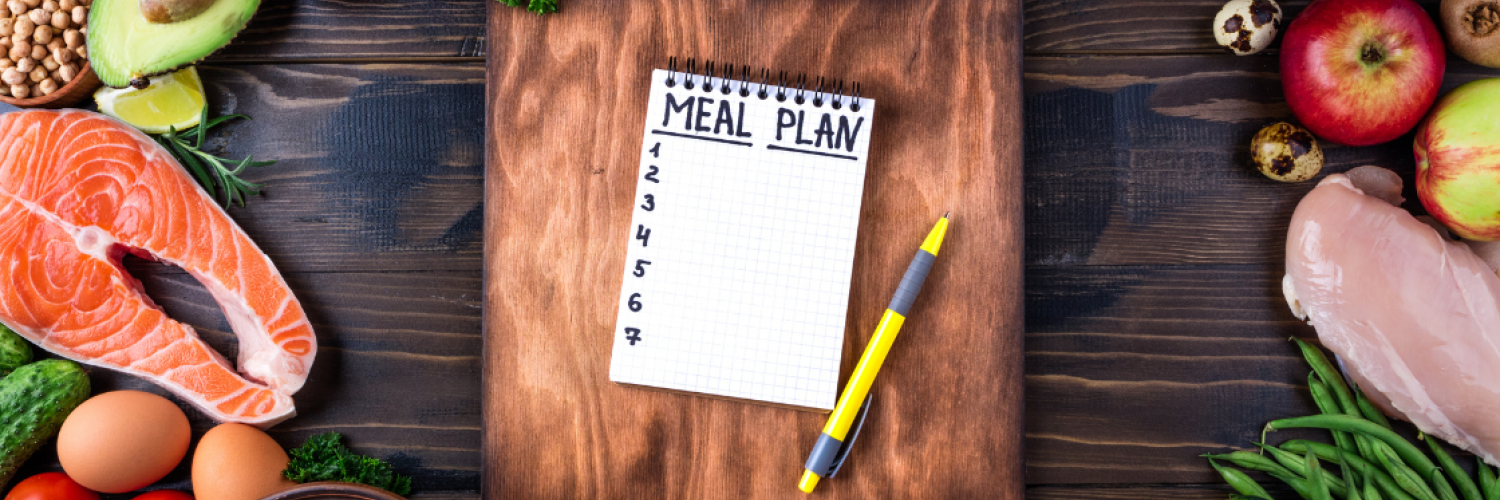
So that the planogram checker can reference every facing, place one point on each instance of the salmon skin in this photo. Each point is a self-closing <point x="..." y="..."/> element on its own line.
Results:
<point x="79" y="190"/>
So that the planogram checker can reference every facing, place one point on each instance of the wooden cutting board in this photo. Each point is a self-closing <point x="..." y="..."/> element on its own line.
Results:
<point x="566" y="109"/>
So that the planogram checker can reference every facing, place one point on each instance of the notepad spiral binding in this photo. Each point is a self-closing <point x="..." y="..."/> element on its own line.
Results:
<point x="691" y="78"/>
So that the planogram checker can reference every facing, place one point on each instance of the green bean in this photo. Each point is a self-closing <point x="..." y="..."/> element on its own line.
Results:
<point x="1404" y="449"/>
<point x="1405" y="477"/>
<point x="1298" y="465"/>
<point x="1328" y="405"/>
<point x="1298" y="484"/>
<point x="1442" y="487"/>
<point x="1250" y="460"/>
<point x="1351" y="478"/>
<point x="1240" y="481"/>
<point x="1368" y="409"/>
<point x="1487" y="482"/>
<point x="1383" y="480"/>
<point x="1329" y="374"/>
<point x="1370" y="489"/>
<point x="1315" y="477"/>
<point x="1460" y="478"/>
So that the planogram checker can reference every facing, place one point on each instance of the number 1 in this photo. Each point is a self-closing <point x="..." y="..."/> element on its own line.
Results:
<point x="656" y="150"/>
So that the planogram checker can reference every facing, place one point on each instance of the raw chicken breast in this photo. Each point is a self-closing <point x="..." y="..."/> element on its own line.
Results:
<point x="1414" y="316"/>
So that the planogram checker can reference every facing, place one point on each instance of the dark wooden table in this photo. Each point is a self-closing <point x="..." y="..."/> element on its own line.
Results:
<point x="1155" y="325"/>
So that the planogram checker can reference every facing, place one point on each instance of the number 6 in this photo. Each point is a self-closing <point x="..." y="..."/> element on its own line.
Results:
<point x="635" y="305"/>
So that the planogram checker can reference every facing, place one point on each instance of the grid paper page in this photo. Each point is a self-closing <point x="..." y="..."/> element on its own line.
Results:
<point x="741" y="244"/>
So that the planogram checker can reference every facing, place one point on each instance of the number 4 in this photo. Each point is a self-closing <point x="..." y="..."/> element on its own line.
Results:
<point x="643" y="234"/>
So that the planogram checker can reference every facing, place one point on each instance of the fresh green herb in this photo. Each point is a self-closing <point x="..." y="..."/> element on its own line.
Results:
<point x="324" y="458"/>
<point x="214" y="173"/>
<point x="537" y="6"/>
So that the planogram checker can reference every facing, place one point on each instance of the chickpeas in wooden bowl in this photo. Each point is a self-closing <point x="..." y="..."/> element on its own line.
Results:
<point x="46" y="53"/>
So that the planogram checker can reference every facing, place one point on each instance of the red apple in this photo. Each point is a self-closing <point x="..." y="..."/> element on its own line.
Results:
<point x="1361" y="72"/>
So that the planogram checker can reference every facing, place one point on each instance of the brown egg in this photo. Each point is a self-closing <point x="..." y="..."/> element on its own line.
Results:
<point x="122" y="441"/>
<point x="238" y="462"/>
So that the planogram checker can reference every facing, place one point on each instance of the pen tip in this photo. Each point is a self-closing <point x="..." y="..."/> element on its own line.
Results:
<point x="945" y="214"/>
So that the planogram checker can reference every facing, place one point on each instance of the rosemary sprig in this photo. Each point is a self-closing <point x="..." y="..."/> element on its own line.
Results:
<point x="215" y="174"/>
<point x="537" y="6"/>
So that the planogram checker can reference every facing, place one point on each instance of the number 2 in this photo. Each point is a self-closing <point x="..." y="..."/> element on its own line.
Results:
<point x="635" y="305"/>
<point x="656" y="150"/>
<point x="651" y="176"/>
<point x="633" y="335"/>
<point x="650" y="203"/>
<point x="639" y="270"/>
<point x="643" y="234"/>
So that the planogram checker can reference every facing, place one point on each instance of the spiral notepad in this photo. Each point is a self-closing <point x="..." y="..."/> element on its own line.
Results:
<point x="741" y="243"/>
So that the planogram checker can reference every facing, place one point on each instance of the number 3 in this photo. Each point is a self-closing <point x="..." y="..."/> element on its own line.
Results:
<point x="650" y="203"/>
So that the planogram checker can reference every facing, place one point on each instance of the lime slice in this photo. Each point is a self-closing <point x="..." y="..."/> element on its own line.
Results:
<point x="172" y="100"/>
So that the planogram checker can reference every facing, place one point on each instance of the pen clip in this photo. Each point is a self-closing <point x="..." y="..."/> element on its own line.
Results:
<point x="859" y="423"/>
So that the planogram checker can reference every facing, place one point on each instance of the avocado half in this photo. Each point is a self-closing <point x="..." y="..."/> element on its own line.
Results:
<point x="125" y="48"/>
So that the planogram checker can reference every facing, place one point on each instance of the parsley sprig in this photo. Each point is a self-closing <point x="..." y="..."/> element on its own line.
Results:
<point x="324" y="458"/>
<point x="537" y="6"/>
<point x="222" y="181"/>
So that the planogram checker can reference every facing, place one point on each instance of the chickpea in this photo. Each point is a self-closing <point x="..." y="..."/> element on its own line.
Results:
<point x="62" y="55"/>
<point x="61" y="20"/>
<point x="56" y="43"/>
<point x="67" y="5"/>
<point x="49" y="5"/>
<point x="38" y="74"/>
<point x="24" y="26"/>
<point x="73" y="38"/>
<point x="50" y="63"/>
<point x="66" y="72"/>
<point x="16" y="7"/>
<point x="19" y="50"/>
<point x="43" y="35"/>
<point x="5" y="43"/>
<point x="38" y="51"/>
<point x="12" y="76"/>
<point x="4" y="91"/>
<point x="25" y="65"/>
<point x="80" y="15"/>
<point x="7" y="27"/>
<point x="6" y="63"/>
<point x="47" y="86"/>
<point x="20" y="91"/>
<point x="39" y="16"/>
<point x="83" y="52"/>
<point x="32" y="3"/>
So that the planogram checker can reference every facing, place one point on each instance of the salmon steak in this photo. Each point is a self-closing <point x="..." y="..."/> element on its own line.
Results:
<point x="78" y="191"/>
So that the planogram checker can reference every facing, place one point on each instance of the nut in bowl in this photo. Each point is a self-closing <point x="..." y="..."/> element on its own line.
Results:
<point x="46" y="53"/>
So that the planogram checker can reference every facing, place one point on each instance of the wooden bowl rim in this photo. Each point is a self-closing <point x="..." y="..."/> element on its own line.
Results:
<point x="333" y="490"/>
<point x="34" y="102"/>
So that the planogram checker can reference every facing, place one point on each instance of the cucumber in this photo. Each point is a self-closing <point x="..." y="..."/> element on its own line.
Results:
<point x="13" y="351"/>
<point x="34" y="401"/>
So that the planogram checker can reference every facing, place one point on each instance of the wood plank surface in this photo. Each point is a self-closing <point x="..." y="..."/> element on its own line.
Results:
<point x="382" y="162"/>
<point x="372" y="30"/>
<point x="566" y="124"/>
<point x="1096" y="27"/>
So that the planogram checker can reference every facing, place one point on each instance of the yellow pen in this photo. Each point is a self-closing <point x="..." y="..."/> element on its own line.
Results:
<point x="831" y="449"/>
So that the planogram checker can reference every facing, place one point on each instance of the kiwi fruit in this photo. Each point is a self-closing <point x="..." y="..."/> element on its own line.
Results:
<point x="1472" y="28"/>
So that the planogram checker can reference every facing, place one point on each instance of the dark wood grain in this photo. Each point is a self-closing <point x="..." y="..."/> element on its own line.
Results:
<point x="1145" y="160"/>
<point x="566" y="124"/>
<point x="1093" y="27"/>
<point x="373" y="30"/>
<point x="1130" y="491"/>
<point x="379" y="164"/>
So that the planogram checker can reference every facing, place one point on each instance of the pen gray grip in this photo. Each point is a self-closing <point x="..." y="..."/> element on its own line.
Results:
<point x="911" y="283"/>
<point x="823" y="460"/>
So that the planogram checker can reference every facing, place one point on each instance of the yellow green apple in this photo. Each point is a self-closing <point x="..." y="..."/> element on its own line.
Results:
<point x="1458" y="160"/>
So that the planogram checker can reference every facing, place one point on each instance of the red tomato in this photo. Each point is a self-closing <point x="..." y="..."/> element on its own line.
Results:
<point x="50" y="486"/>
<point x="163" y="495"/>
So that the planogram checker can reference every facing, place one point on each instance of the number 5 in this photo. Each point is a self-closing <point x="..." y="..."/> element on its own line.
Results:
<point x="641" y="271"/>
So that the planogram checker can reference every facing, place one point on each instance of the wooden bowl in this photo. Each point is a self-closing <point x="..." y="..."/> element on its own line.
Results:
<point x="77" y="89"/>
<point x="333" y="491"/>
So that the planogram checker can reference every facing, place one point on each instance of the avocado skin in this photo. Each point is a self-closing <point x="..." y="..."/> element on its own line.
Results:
<point x="34" y="401"/>
<point x="14" y="352"/>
